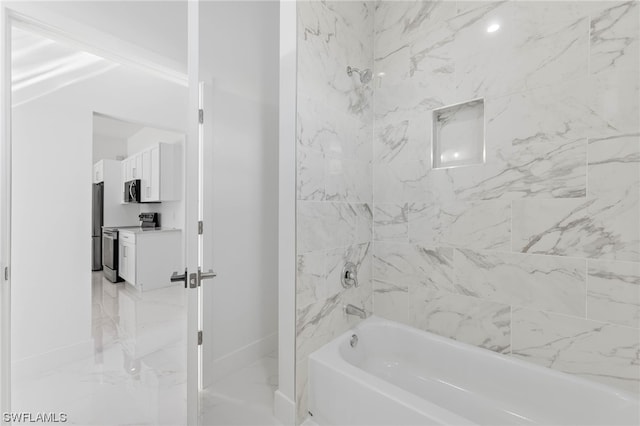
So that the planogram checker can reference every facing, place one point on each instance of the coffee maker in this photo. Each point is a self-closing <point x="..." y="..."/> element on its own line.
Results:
<point x="149" y="220"/>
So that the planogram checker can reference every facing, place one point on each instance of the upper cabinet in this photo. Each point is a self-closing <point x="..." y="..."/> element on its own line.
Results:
<point x="150" y="183"/>
<point x="158" y="168"/>
<point x="132" y="167"/>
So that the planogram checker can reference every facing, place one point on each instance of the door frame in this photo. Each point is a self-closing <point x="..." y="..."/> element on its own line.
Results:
<point x="93" y="41"/>
<point x="5" y="210"/>
<point x="192" y="216"/>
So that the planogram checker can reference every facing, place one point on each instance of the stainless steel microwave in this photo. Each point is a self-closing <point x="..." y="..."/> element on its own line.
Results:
<point x="132" y="191"/>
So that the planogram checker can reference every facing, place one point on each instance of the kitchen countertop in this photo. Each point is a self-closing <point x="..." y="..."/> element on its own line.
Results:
<point x="139" y="230"/>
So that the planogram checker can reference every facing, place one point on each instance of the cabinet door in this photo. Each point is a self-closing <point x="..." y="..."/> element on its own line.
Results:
<point x="137" y="166"/>
<point x="122" y="261"/>
<point x="127" y="169"/>
<point x="131" y="263"/>
<point x="154" y="187"/>
<point x="123" y="170"/>
<point x="146" y="176"/>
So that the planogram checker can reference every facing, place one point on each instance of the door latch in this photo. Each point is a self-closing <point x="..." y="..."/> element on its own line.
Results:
<point x="195" y="279"/>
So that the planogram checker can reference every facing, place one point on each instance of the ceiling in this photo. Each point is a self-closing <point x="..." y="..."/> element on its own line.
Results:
<point x="41" y="65"/>
<point x="159" y="26"/>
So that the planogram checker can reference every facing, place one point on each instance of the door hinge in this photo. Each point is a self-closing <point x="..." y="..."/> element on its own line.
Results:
<point x="200" y="227"/>
<point x="199" y="337"/>
<point x="6" y="273"/>
<point x="200" y="116"/>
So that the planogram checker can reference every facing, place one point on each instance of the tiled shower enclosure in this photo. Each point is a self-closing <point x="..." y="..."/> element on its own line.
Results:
<point x="534" y="251"/>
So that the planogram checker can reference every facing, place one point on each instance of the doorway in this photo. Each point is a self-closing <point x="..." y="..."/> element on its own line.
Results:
<point x="85" y="348"/>
<point x="234" y="162"/>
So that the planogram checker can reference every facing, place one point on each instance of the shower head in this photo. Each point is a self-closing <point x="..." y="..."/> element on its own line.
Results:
<point x="365" y="75"/>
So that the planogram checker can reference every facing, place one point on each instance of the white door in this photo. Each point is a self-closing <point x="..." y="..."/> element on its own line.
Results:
<point x="92" y="351"/>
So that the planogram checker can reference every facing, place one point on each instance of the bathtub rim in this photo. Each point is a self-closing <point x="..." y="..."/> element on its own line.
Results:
<point x="330" y="354"/>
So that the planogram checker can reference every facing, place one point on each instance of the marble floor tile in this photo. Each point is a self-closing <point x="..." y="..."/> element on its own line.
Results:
<point x="242" y="398"/>
<point x="137" y="371"/>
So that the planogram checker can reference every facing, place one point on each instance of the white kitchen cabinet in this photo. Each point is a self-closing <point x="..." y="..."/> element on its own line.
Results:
<point x="132" y="167"/>
<point x="126" y="170"/>
<point x="158" y="168"/>
<point x="148" y="258"/>
<point x="136" y="166"/>
<point x="151" y="174"/>
<point x="98" y="172"/>
<point x="127" y="256"/>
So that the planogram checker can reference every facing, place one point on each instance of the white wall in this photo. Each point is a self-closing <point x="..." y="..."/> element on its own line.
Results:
<point x="108" y="147"/>
<point x="52" y="169"/>
<point x="241" y="119"/>
<point x="149" y="136"/>
<point x="284" y="400"/>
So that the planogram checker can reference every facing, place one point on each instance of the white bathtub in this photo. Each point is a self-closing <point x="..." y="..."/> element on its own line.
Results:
<point x="398" y="375"/>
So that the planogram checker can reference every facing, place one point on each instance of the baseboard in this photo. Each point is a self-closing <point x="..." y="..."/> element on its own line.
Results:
<point x="35" y="366"/>
<point x="242" y="357"/>
<point x="284" y="409"/>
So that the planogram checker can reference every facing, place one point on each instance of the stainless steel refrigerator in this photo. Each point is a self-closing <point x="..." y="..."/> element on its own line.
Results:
<point x="97" y="214"/>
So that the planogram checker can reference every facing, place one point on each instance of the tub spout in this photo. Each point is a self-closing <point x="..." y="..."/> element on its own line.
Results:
<point x="354" y="310"/>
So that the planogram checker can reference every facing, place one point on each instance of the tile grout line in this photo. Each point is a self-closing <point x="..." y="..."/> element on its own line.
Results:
<point x="511" y="330"/>
<point x="586" y="289"/>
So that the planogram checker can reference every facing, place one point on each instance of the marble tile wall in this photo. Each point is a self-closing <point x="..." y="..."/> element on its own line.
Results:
<point x="334" y="185"/>
<point x="536" y="252"/>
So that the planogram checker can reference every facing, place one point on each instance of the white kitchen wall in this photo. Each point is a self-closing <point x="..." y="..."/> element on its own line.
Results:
<point x="239" y="61"/>
<point x="149" y="136"/>
<point x="108" y="147"/>
<point x="52" y="169"/>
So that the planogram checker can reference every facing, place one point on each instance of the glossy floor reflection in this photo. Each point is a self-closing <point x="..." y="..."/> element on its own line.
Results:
<point x="136" y="372"/>
<point x="244" y="398"/>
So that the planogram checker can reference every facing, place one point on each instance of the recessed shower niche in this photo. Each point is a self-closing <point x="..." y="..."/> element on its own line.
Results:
<point x="458" y="134"/>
